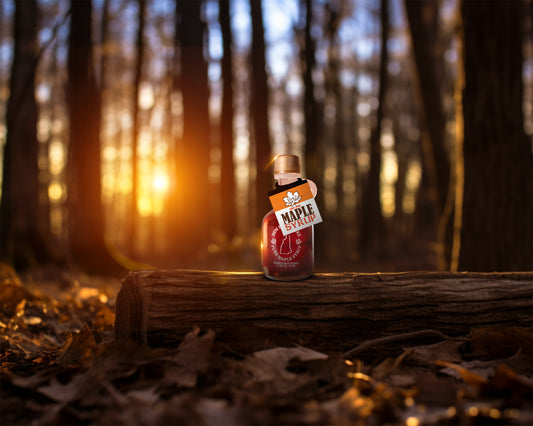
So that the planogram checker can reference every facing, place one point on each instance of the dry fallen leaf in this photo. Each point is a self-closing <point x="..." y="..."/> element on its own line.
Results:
<point x="193" y="352"/>
<point x="505" y="382"/>
<point x="501" y="342"/>
<point x="447" y="350"/>
<point x="12" y="294"/>
<point x="63" y="393"/>
<point x="78" y="349"/>
<point x="271" y="364"/>
<point x="475" y="373"/>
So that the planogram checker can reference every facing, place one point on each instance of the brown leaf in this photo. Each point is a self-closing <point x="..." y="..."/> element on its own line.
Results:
<point x="12" y="298"/>
<point x="104" y="317"/>
<point x="194" y="350"/>
<point x="401" y="380"/>
<point x="79" y="349"/>
<point x="191" y="359"/>
<point x="466" y="372"/>
<point x="501" y="342"/>
<point x="81" y="386"/>
<point x="444" y="351"/>
<point x="521" y="363"/>
<point x="506" y="382"/>
<point x="384" y="368"/>
<point x="434" y="390"/>
<point x="23" y="344"/>
<point x="389" y="365"/>
<point x="178" y="375"/>
<point x="63" y="392"/>
<point x="28" y="382"/>
<point x="271" y="364"/>
<point x="147" y="396"/>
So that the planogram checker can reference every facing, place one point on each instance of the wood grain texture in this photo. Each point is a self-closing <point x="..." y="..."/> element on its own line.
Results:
<point x="337" y="311"/>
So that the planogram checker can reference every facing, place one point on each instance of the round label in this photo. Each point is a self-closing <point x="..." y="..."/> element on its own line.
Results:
<point x="286" y="248"/>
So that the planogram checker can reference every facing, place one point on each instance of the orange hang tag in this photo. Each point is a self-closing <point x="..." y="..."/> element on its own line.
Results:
<point x="295" y="207"/>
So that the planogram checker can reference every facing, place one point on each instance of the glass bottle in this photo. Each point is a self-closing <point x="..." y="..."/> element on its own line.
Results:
<point x="290" y="257"/>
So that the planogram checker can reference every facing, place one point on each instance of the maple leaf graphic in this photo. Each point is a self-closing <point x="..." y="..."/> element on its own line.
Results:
<point x="292" y="198"/>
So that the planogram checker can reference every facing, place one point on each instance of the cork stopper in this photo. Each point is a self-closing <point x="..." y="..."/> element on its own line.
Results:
<point x="287" y="164"/>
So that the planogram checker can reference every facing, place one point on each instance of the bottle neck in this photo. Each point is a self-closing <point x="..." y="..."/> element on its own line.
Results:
<point x="286" y="178"/>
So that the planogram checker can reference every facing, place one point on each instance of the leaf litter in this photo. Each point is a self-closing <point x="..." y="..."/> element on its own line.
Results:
<point x="61" y="365"/>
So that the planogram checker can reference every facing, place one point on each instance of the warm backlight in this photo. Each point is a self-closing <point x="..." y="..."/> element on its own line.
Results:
<point x="160" y="182"/>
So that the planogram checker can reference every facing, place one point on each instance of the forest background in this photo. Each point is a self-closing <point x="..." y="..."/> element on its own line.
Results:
<point x="141" y="133"/>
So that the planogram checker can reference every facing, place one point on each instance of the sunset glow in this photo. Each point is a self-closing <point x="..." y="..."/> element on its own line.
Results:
<point x="160" y="182"/>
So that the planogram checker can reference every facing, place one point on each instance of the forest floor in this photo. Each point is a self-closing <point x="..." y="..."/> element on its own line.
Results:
<point x="60" y="365"/>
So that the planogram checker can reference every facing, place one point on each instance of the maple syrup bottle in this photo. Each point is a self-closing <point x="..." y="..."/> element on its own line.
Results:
<point x="289" y="257"/>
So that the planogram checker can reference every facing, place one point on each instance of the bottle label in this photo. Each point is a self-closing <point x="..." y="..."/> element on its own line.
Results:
<point x="287" y="249"/>
<point x="295" y="207"/>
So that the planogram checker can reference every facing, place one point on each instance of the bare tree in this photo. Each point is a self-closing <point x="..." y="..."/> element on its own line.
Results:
<point x="313" y="163"/>
<point x="193" y="158"/>
<point x="497" y="205"/>
<point x="370" y="240"/>
<point x="227" y="178"/>
<point x="22" y="234"/>
<point x="423" y="22"/>
<point x="133" y="212"/>
<point x="334" y="95"/>
<point x="86" y="216"/>
<point x="259" y="112"/>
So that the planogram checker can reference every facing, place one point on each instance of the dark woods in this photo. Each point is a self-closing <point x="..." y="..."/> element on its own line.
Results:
<point x="140" y="133"/>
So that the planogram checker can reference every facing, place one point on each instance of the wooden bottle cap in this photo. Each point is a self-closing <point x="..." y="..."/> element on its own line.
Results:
<point x="287" y="164"/>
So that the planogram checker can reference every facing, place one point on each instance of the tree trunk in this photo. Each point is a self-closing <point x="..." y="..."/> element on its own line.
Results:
<point x="133" y="221"/>
<point x="423" y="18"/>
<point x="314" y="151"/>
<point x="227" y="177"/>
<point x="86" y="216"/>
<point x="23" y="238"/>
<point x="335" y="98"/>
<point x="335" y="311"/>
<point x="175" y="202"/>
<point x="371" y="237"/>
<point x="259" y="114"/>
<point x="192" y="184"/>
<point x="423" y="21"/>
<point x="314" y="167"/>
<point x="497" y="214"/>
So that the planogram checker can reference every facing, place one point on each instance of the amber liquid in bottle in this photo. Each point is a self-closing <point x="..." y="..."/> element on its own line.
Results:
<point x="286" y="257"/>
<point x="289" y="257"/>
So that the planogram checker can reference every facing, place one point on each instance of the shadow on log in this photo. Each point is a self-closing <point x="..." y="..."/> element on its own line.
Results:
<point x="328" y="311"/>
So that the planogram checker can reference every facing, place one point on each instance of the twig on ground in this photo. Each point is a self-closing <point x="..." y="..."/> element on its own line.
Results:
<point x="421" y="334"/>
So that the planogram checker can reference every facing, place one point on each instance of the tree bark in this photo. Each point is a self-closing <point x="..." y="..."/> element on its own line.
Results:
<point x="23" y="238"/>
<point x="423" y="22"/>
<point x="86" y="216"/>
<point x="133" y="221"/>
<point x="259" y="114"/>
<point x="227" y="177"/>
<point x="334" y="97"/>
<point x="371" y="237"/>
<point x="423" y="18"/>
<point x="192" y="178"/>
<point x="313" y="124"/>
<point x="314" y="167"/>
<point x="497" y="214"/>
<point x="337" y="311"/>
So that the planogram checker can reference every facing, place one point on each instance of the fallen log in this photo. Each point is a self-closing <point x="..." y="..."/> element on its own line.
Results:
<point x="337" y="311"/>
